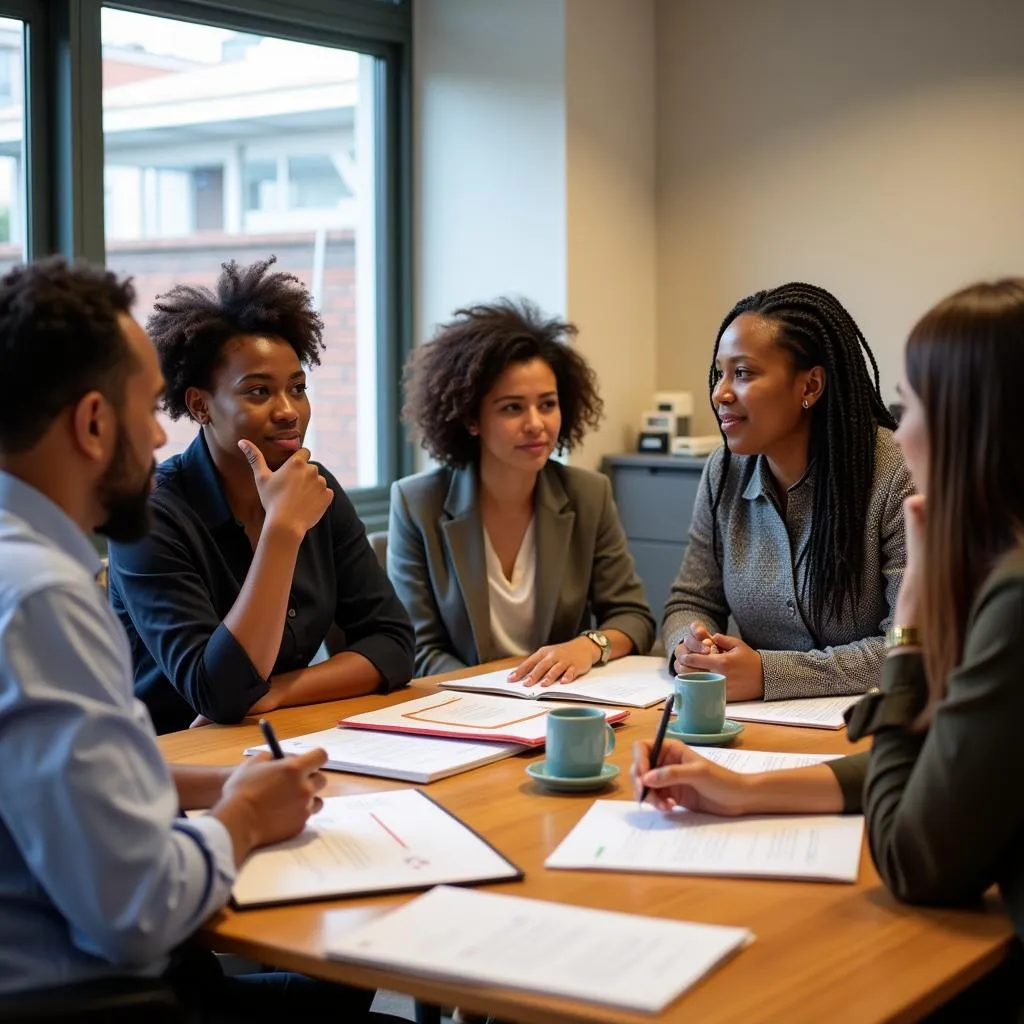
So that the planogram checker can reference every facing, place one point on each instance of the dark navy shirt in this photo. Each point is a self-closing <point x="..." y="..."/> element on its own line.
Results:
<point x="173" y="589"/>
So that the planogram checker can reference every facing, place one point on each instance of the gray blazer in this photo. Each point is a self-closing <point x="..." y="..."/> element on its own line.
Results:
<point x="585" y="573"/>
<point x="760" y="575"/>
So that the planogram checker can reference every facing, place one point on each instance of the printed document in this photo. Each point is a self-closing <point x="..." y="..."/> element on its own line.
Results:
<point x="597" y="956"/>
<point x="366" y="843"/>
<point x="751" y="761"/>
<point x="809" y="712"/>
<point x="619" y="835"/>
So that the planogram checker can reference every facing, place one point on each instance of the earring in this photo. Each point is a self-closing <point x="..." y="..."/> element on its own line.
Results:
<point x="807" y="404"/>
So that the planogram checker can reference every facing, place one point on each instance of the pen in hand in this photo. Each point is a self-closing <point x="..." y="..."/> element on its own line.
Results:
<point x="659" y="739"/>
<point x="268" y="734"/>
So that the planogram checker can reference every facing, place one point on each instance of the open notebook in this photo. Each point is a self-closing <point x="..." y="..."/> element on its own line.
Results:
<point x="396" y="755"/>
<point x="393" y="841"/>
<point x="484" y="938"/>
<point x="469" y="716"/>
<point x="635" y="682"/>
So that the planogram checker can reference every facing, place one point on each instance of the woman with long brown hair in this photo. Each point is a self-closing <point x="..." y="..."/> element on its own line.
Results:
<point x="943" y="822"/>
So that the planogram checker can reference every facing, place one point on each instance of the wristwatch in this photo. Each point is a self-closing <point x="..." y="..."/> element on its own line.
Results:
<point x="603" y="643"/>
<point x="902" y="636"/>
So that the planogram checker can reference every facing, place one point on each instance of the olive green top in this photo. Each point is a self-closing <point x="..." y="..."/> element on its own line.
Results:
<point x="945" y="808"/>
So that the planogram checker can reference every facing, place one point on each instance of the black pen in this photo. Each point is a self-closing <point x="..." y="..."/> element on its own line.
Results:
<point x="659" y="739"/>
<point x="268" y="734"/>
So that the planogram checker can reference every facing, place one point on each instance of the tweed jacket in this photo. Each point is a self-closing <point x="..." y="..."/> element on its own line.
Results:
<point x="760" y="576"/>
<point x="585" y="573"/>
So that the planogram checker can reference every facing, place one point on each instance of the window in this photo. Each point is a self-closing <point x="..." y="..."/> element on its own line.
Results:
<point x="163" y="137"/>
<point x="221" y="145"/>
<point x="13" y="197"/>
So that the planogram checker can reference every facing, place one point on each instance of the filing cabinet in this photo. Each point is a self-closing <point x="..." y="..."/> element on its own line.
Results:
<point x="655" y="495"/>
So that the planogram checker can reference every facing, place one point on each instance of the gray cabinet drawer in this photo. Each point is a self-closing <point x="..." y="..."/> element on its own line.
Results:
<point x="657" y="564"/>
<point x="655" y="504"/>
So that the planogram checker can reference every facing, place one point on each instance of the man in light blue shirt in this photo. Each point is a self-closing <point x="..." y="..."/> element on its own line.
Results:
<point x="99" y="876"/>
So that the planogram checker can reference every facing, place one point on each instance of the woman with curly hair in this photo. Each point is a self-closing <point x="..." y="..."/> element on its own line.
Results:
<point x="255" y="552"/>
<point x="501" y="551"/>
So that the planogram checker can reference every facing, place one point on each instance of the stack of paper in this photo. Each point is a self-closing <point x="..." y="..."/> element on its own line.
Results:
<point x="370" y="843"/>
<point x="396" y="756"/>
<point x="468" y="716"/>
<point x="618" y="835"/>
<point x="751" y="761"/>
<point x="634" y="682"/>
<point x="478" y="938"/>
<point x="810" y="712"/>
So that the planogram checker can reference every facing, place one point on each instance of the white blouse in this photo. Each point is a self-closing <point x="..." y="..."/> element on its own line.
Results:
<point x="512" y="601"/>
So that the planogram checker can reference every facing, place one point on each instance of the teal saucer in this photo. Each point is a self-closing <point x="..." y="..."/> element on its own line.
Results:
<point x="710" y="739"/>
<point x="537" y="770"/>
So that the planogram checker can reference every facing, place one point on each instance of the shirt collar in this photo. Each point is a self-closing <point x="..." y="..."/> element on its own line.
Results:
<point x="49" y="519"/>
<point x="761" y="485"/>
<point x="202" y="484"/>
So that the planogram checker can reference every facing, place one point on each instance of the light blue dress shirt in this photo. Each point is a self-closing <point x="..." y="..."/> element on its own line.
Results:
<point x="98" y="874"/>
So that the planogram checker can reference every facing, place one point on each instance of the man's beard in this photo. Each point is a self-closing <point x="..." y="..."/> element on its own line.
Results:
<point x="123" y="496"/>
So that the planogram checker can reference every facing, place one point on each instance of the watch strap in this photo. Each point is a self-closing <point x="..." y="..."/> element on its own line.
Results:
<point x="902" y="636"/>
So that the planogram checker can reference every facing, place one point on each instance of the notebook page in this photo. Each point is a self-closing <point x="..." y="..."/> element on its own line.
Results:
<point x="474" y="716"/>
<point x="618" y="835"/>
<point x="639" y="963"/>
<point x="635" y="681"/>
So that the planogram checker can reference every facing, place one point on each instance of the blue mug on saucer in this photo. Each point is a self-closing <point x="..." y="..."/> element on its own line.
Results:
<point x="578" y="740"/>
<point x="700" y="702"/>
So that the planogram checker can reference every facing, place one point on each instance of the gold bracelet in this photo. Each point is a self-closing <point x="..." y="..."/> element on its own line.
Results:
<point x="902" y="636"/>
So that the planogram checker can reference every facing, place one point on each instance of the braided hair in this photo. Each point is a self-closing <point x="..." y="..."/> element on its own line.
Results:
<point x="818" y="331"/>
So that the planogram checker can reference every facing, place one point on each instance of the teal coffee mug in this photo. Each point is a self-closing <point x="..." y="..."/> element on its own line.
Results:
<point x="578" y="740"/>
<point x="700" y="702"/>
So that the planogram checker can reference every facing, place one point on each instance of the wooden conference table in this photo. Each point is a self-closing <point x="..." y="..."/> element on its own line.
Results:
<point x="823" y="951"/>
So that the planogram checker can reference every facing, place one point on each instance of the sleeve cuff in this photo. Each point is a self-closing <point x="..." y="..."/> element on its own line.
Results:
<point x="214" y="841"/>
<point x="234" y="685"/>
<point x="903" y="697"/>
<point x="850" y="773"/>
<point x="672" y="640"/>
<point x="778" y="683"/>
<point x="639" y="630"/>
<point x="389" y="658"/>
<point x="212" y="833"/>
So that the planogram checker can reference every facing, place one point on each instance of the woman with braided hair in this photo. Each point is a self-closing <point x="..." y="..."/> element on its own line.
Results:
<point x="798" y="528"/>
<point x="945" y="821"/>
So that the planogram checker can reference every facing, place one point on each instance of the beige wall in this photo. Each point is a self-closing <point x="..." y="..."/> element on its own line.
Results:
<point x="611" y="234"/>
<point x="489" y="155"/>
<point x="534" y="129"/>
<point x="875" y="147"/>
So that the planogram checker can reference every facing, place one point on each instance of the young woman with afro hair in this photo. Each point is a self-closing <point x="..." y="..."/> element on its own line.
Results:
<point x="255" y="551"/>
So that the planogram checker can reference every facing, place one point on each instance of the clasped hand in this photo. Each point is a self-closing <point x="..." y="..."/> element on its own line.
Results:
<point x="738" y="662"/>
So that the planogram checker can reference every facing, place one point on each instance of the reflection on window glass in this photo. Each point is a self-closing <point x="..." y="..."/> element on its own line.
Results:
<point x="13" y="204"/>
<point x="228" y="145"/>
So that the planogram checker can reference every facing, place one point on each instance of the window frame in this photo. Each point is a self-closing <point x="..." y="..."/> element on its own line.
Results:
<point x="64" y="159"/>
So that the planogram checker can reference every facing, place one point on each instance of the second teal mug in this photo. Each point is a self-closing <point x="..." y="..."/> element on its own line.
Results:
<point x="700" y="702"/>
